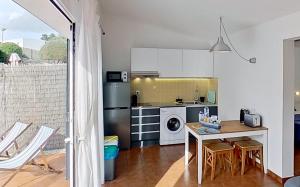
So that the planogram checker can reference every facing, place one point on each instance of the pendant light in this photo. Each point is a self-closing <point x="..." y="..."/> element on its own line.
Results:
<point x="221" y="46"/>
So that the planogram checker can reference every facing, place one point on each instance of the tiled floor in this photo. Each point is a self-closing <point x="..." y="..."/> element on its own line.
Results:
<point x="32" y="176"/>
<point x="163" y="166"/>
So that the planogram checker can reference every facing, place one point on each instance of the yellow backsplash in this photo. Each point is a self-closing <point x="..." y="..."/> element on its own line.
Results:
<point x="167" y="90"/>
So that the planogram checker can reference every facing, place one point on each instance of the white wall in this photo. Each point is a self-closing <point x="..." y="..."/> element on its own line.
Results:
<point x="122" y="35"/>
<point x="260" y="86"/>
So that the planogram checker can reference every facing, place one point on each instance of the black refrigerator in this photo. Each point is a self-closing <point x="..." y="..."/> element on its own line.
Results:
<point x="116" y="102"/>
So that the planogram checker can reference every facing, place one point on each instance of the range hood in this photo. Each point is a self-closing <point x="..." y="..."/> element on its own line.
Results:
<point x="144" y="74"/>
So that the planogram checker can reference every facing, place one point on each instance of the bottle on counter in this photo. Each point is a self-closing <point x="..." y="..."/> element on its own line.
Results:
<point x="206" y="112"/>
<point x="201" y="116"/>
<point x="196" y="95"/>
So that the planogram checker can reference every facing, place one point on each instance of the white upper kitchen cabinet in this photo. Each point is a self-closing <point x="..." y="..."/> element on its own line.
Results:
<point x="170" y="62"/>
<point x="197" y="63"/>
<point x="144" y="59"/>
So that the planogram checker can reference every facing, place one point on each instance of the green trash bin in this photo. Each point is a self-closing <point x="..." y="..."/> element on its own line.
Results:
<point x="110" y="154"/>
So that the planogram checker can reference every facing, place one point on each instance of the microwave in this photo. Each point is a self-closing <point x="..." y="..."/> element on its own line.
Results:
<point x="116" y="76"/>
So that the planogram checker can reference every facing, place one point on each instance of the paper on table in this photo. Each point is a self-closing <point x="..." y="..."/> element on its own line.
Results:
<point x="205" y="130"/>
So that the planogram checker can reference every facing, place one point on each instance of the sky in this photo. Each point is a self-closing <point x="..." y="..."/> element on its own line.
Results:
<point x="20" y="23"/>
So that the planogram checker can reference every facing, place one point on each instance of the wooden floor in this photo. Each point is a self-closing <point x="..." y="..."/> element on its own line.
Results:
<point x="32" y="176"/>
<point x="159" y="166"/>
<point x="163" y="166"/>
<point x="297" y="161"/>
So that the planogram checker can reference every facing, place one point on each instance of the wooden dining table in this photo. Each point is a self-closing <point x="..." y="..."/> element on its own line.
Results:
<point x="229" y="129"/>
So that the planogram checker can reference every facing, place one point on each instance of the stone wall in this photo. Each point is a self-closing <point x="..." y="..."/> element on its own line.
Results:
<point x="37" y="94"/>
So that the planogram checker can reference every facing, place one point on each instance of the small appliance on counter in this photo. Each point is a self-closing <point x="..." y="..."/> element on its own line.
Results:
<point x="252" y="120"/>
<point x="242" y="114"/>
<point x="134" y="100"/>
<point x="116" y="76"/>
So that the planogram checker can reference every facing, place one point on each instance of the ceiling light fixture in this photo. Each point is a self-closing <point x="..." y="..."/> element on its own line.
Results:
<point x="221" y="46"/>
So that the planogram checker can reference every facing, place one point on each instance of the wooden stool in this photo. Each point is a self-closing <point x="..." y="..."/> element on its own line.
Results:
<point x="224" y="150"/>
<point x="205" y="143"/>
<point x="253" y="147"/>
<point x="231" y="141"/>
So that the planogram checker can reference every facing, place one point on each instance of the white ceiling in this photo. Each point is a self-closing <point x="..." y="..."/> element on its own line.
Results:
<point x="48" y="14"/>
<point x="199" y="17"/>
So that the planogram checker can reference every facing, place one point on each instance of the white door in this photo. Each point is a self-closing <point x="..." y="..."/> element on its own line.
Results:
<point x="144" y="60"/>
<point x="170" y="62"/>
<point x="197" y="63"/>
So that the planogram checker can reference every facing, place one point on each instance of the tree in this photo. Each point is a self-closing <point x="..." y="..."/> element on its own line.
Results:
<point x="55" y="49"/>
<point x="2" y="57"/>
<point x="47" y="37"/>
<point x="44" y="37"/>
<point x="6" y="49"/>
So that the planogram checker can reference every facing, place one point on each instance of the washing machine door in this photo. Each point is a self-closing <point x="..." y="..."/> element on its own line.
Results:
<point x="174" y="124"/>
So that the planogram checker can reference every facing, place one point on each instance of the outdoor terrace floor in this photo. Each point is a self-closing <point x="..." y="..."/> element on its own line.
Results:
<point x="32" y="176"/>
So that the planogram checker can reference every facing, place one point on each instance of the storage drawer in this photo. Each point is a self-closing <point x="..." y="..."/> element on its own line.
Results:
<point x="149" y="112"/>
<point x="135" y="120"/>
<point x="146" y="128"/>
<point x="134" y="137"/>
<point x="135" y="112"/>
<point x="135" y="128"/>
<point x="150" y="136"/>
<point x="146" y="120"/>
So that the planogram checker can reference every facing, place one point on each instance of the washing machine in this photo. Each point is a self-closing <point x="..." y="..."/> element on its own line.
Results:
<point x="172" y="122"/>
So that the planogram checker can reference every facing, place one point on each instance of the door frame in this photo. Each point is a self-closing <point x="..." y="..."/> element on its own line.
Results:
<point x="70" y="158"/>
<point x="70" y="126"/>
<point x="288" y="54"/>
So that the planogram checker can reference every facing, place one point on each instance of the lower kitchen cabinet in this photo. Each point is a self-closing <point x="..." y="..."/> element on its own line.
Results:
<point x="192" y="113"/>
<point x="145" y="126"/>
<point x="145" y="123"/>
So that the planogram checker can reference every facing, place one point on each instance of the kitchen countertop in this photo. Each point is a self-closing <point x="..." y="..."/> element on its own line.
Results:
<point x="164" y="105"/>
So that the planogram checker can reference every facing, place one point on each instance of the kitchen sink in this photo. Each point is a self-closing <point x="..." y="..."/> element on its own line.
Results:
<point x="191" y="102"/>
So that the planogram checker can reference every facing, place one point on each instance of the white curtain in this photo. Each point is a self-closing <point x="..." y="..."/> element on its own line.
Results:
<point x="88" y="96"/>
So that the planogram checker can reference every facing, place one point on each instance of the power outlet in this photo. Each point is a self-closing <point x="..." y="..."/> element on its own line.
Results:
<point x="252" y="60"/>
